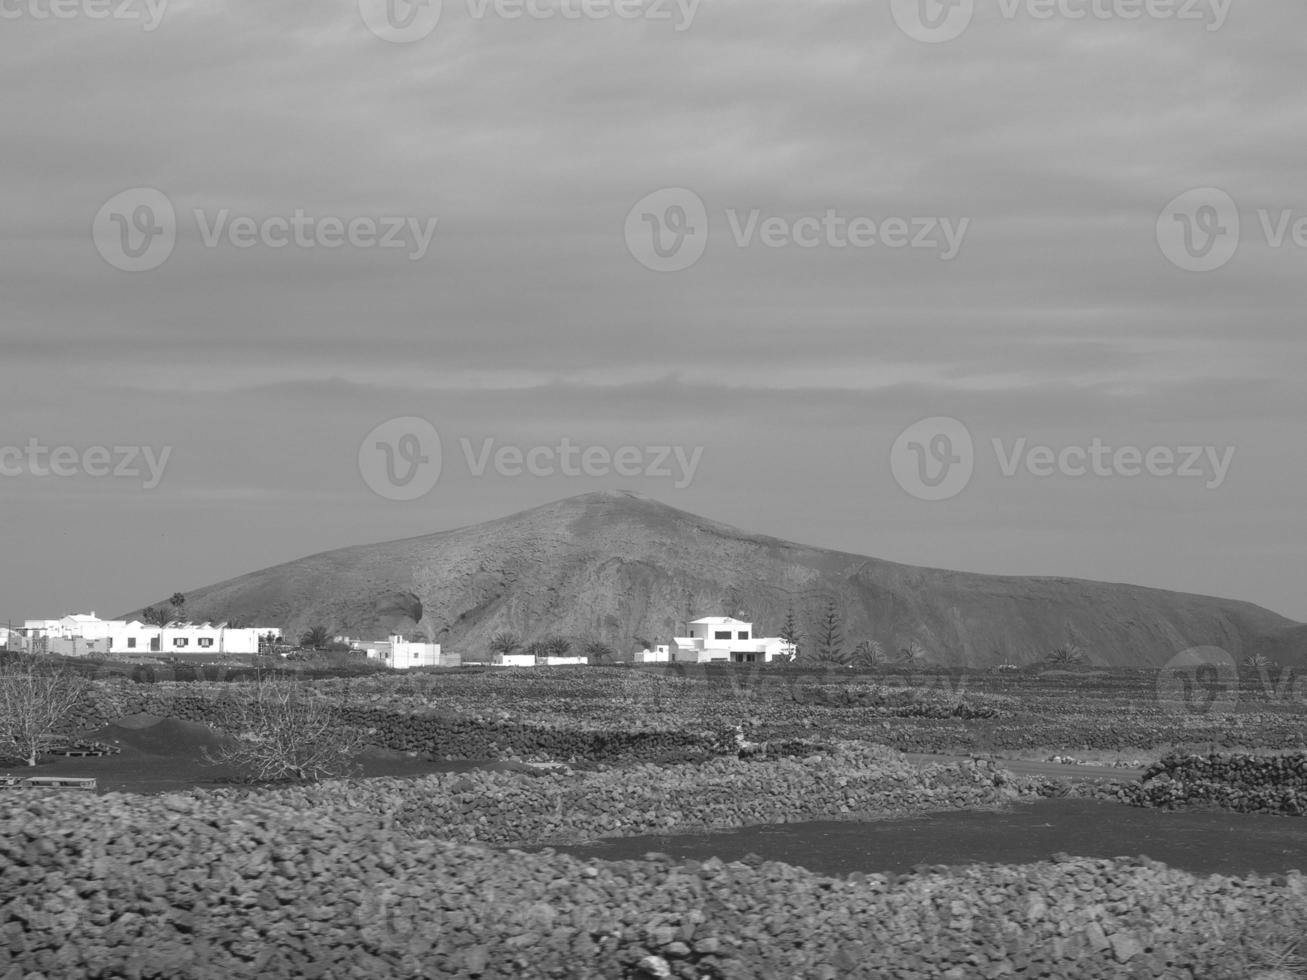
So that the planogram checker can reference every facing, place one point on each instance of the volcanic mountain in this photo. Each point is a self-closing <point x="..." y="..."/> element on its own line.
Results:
<point x="617" y="566"/>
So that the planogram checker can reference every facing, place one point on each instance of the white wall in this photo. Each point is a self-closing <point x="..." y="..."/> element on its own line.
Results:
<point x="516" y="660"/>
<point x="399" y="654"/>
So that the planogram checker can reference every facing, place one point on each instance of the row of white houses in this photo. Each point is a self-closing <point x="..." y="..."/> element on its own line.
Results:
<point x="713" y="639"/>
<point x="82" y="635"/>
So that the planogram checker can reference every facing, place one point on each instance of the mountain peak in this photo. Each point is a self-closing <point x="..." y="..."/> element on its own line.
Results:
<point x="614" y="565"/>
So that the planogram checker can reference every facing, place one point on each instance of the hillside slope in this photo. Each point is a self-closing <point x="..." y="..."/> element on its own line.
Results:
<point x="617" y="565"/>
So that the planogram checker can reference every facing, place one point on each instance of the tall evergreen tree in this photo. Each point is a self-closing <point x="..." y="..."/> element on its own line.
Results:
<point x="830" y="635"/>
<point x="790" y="631"/>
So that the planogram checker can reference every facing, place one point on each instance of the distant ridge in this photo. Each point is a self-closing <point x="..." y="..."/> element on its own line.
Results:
<point x="615" y="565"/>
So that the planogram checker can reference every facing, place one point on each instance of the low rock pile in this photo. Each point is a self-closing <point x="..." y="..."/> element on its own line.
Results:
<point x="192" y="886"/>
<point x="515" y="808"/>
<point x="1234" y="781"/>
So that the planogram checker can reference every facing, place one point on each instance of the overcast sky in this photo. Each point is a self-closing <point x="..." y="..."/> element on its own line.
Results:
<point x="1060" y="312"/>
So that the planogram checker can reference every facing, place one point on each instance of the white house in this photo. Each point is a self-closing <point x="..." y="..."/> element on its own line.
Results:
<point x="723" y="639"/>
<point x="401" y="654"/>
<point x="201" y="638"/>
<point x="514" y="660"/>
<point x="129" y="637"/>
<point x="660" y="654"/>
<point x="531" y="660"/>
<point x="78" y="626"/>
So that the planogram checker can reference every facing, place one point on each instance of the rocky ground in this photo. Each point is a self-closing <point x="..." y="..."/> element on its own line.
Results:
<point x="201" y="886"/>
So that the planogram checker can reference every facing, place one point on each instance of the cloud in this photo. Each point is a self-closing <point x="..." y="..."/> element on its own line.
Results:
<point x="1059" y="141"/>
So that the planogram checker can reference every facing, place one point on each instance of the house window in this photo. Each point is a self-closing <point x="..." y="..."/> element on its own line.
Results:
<point x="180" y="641"/>
<point x="131" y="643"/>
<point x="206" y="641"/>
<point x="416" y="655"/>
<point x="722" y="635"/>
<point x="742" y="635"/>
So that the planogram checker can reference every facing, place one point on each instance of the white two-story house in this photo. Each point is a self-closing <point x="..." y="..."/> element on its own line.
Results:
<point x="726" y="640"/>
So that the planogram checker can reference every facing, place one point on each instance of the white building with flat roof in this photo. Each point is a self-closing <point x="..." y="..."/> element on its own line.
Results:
<point x="398" y="653"/>
<point x="130" y="637"/>
<point x="723" y="639"/>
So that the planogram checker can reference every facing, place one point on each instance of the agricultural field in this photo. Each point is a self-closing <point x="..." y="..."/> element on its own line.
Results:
<point x="706" y="823"/>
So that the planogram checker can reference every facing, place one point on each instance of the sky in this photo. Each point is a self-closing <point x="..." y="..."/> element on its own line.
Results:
<point x="1008" y="286"/>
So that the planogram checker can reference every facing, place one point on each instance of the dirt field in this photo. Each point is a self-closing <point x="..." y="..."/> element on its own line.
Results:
<point x="160" y="755"/>
<point x="1201" y="843"/>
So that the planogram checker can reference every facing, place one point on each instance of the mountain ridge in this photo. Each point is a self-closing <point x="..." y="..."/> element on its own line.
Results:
<point x="616" y="565"/>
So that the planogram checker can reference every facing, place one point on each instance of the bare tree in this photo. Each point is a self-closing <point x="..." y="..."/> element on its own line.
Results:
<point x="284" y="729"/>
<point x="36" y="698"/>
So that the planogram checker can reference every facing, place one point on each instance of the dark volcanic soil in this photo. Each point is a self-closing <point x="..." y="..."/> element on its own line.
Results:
<point x="161" y="755"/>
<point x="1198" y="842"/>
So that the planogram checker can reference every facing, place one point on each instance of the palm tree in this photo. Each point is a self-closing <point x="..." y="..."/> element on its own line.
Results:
<point x="504" y="644"/>
<point x="178" y="602"/>
<point x="1069" y="655"/>
<point x="912" y="655"/>
<point x="315" y="638"/>
<point x="557" y="646"/>
<point x="1257" y="662"/>
<point x="868" y="653"/>
<point x="598" y="651"/>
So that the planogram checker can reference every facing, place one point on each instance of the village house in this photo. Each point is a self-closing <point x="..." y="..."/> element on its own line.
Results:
<point x="83" y="635"/>
<point x="398" y="653"/>
<point x="719" y="639"/>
